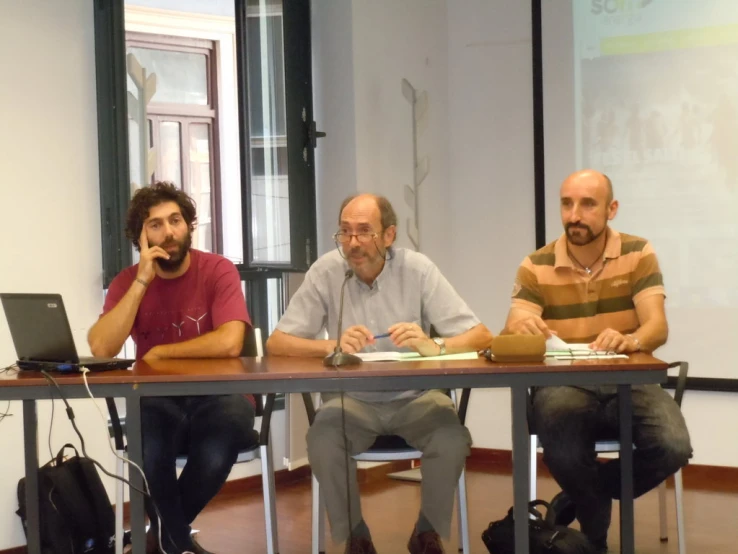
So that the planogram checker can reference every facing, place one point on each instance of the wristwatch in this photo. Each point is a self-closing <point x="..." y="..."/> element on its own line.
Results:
<point x="441" y="344"/>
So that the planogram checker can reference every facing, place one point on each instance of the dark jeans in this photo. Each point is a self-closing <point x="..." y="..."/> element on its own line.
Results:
<point x="210" y="430"/>
<point x="569" y="420"/>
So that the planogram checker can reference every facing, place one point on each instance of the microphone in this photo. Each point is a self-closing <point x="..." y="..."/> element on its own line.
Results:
<point x="339" y="358"/>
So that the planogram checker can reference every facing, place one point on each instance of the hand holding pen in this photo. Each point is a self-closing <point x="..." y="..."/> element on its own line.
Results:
<point x="407" y="335"/>
<point x="411" y="335"/>
<point x="389" y="334"/>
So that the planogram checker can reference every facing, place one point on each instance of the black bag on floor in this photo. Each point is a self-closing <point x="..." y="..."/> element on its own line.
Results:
<point x="74" y="509"/>
<point x="544" y="536"/>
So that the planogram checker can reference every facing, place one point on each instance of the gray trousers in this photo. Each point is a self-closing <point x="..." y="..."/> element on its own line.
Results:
<point x="569" y="420"/>
<point x="428" y="423"/>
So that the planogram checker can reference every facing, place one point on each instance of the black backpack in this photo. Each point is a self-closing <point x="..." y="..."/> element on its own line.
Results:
<point x="74" y="509"/>
<point x="544" y="536"/>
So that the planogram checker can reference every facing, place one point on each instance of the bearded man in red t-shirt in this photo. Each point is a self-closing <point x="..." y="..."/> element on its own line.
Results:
<point x="178" y="302"/>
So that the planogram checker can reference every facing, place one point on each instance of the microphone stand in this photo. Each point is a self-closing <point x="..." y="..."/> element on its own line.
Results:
<point x="339" y="358"/>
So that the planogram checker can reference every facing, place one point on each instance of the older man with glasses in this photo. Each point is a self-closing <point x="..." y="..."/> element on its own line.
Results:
<point x="392" y="299"/>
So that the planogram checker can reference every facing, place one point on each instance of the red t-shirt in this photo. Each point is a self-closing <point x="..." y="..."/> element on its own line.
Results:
<point x="208" y="295"/>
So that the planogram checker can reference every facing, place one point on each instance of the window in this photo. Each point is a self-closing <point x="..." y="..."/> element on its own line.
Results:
<point x="176" y="124"/>
<point x="269" y="177"/>
<point x="222" y="80"/>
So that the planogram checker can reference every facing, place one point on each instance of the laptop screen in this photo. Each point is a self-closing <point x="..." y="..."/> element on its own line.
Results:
<point x="39" y="326"/>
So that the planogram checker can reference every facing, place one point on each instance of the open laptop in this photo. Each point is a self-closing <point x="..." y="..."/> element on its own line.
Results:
<point x="43" y="338"/>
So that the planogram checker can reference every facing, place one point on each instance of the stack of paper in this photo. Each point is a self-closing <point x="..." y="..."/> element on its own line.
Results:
<point x="561" y="350"/>
<point x="387" y="356"/>
<point x="407" y="356"/>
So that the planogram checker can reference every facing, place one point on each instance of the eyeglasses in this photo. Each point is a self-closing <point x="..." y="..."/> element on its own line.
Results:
<point x="363" y="238"/>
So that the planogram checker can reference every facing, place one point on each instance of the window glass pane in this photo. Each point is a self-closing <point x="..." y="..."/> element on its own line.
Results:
<point x="266" y="76"/>
<point x="270" y="214"/>
<point x="199" y="187"/>
<point x="269" y="184"/>
<point x="138" y="136"/>
<point x="187" y="86"/>
<point x="193" y="140"/>
<point x="181" y="77"/>
<point x="259" y="159"/>
<point x="171" y="152"/>
<point x="202" y="238"/>
<point x="274" y="302"/>
<point x="223" y="8"/>
<point x="134" y="151"/>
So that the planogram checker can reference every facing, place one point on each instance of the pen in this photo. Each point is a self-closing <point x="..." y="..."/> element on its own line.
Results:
<point x="385" y="335"/>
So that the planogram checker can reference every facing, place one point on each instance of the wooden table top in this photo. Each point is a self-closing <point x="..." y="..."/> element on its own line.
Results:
<point x="269" y="368"/>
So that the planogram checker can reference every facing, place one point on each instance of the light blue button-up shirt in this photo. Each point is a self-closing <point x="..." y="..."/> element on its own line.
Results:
<point x="410" y="288"/>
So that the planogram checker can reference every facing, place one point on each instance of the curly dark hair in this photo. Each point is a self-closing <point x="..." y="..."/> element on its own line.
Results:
<point x="147" y="197"/>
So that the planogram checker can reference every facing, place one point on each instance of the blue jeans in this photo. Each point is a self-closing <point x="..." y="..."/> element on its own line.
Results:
<point x="210" y="430"/>
<point x="569" y="420"/>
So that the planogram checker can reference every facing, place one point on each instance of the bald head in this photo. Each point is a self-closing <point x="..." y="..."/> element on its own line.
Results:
<point x="587" y="205"/>
<point x="596" y="182"/>
<point x="367" y="203"/>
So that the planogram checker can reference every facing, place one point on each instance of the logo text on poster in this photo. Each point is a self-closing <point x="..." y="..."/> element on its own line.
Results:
<point x="613" y="7"/>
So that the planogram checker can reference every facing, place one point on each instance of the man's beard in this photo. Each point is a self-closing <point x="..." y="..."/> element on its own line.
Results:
<point x="176" y="259"/>
<point x="372" y="259"/>
<point x="582" y="240"/>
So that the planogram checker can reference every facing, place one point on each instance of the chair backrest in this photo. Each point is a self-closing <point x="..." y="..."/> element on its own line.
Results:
<point x="681" y="381"/>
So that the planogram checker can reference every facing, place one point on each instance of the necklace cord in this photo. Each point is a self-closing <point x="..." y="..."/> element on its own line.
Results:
<point x="588" y="269"/>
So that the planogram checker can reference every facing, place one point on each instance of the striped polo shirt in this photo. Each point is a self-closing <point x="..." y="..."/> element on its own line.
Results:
<point x="579" y="306"/>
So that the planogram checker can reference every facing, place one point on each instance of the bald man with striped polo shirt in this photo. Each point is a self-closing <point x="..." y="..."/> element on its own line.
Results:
<point x="595" y="285"/>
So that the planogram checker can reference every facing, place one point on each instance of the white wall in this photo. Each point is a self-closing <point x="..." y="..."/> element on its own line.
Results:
<point x="491" y="173"/>
<point x="333" y="107"/>
<point x="361" y="52"/>
<point x="49" y="201"/>
<point x="395" y="40"/>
